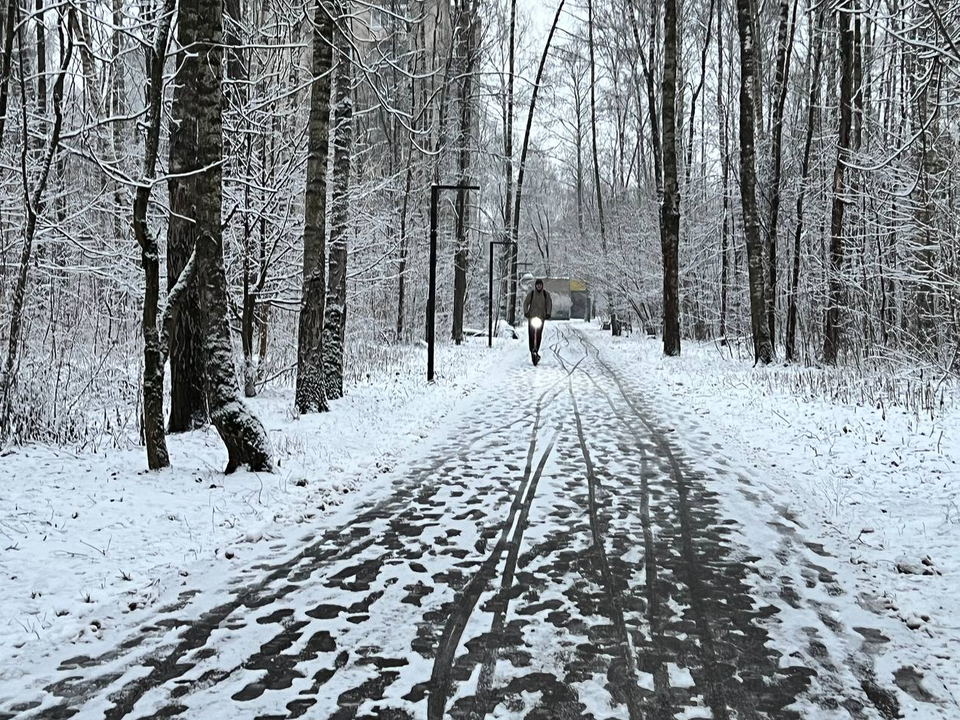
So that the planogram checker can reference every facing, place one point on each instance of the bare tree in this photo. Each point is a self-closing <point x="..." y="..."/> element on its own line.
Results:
<point x="785" y="33"/>
<point x="814" y="98"/>
<point x="242" y="433"/>
<point x="335" y="310"/>
<point x="188" y="406"/>
<point x="831" y="330"/>
<point x="670" y="215"/>
<point x="34" y="199"/>
<point x="310" y="385"/>
<point x="762" y="345"/>
<point x="467" y="53"/>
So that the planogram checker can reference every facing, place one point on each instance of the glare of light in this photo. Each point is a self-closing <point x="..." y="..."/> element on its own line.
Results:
<point x="536" y="323"/>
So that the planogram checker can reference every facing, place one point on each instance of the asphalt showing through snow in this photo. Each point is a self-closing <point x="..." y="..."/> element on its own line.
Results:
<point x="555" y="558"/>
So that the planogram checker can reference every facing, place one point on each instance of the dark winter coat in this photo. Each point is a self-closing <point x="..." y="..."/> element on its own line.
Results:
<point x="538" y="304"/>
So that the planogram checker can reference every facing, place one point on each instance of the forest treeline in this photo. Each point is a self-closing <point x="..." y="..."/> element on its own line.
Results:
<point x="199" y="199"/>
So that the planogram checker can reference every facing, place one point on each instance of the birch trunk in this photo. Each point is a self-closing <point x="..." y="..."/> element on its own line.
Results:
<point x="310" y="396"/>
<point x="335" y="312"/>
<point x="240" y="430"/>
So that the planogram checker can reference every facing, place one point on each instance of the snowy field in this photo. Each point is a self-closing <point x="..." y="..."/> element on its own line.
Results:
<point x="92" y="541"/>
<point x="877" y="486"/>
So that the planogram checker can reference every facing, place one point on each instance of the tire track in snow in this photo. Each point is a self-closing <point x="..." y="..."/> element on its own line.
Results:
<point x="501" y="601"/>
<point x="654" y="617"/>
<point x="714" y="691"/>
<point x="634" y="706"/>
<point x="440" y="679"/>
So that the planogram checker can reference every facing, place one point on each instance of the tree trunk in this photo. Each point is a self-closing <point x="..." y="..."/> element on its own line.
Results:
<point x="831" y="330"/>
<point x="11" y="18"/>
<point x="154" y="352"/>
<point x="513" y="257"/>
<point x="242" y="433"/>
<point x="461" y="257"/>
<point x="335" y="311"/>
<point x="814" y="99"/>
<point x="593" y="131"/>
<point x="405" y="207"/>
<point x="188" y="405"/>
<point x="309" y="394"/>
<point x="725" y="187"/>
<point x="118" y="103"/>
<point x="784" y="53"/>
<point x="248" y="310"/>
<point x="670" y="213"/>
<point x="762" y="347"/>
<point x="41" y="60"/>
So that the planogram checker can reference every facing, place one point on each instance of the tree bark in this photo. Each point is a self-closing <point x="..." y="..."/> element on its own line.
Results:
<point x="461" y="256"/>
<point x="762" y="346"/>
<point x="831" y="330"/>
<point x="670" y="213"/>
<point x="188" y="405"/>
<point x="310" y="395"/>
<point x="41" y="60"/>
<point x="335" y="310"/>
<point x="242" y="433"/>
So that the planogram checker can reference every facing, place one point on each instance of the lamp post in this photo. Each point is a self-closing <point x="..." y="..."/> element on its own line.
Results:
<point x="432" y="294"/>
<point x="490" y="291"/>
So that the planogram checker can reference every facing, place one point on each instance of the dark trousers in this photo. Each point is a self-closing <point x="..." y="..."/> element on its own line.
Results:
<point x="534" y="336"/>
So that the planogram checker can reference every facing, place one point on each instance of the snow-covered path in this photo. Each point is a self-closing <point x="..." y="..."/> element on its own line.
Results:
<point x="556" y="556"/>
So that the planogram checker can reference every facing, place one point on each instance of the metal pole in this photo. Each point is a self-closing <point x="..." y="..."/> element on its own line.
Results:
<point x="432" y="295"/>
<point x="490" y="302"/>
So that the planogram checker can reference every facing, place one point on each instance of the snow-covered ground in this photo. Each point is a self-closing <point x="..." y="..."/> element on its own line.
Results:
<point x="878" y="486"/>
<point x="867" y="490"/>
<point x="89" y="542"/>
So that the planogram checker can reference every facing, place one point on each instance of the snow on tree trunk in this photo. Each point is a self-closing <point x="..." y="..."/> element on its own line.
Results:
<point x="188" y="406"/>
<point x="335" y="312"/>
<point x="240" y="430"/>
<point x="310" y="395"/>
<point x="762" y="347"/>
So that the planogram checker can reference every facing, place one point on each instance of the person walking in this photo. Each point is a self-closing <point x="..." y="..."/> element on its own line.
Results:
<point x="537" y="308"/>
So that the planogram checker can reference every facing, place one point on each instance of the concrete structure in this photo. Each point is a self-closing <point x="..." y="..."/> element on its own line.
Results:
<point x="571" y="297"/>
